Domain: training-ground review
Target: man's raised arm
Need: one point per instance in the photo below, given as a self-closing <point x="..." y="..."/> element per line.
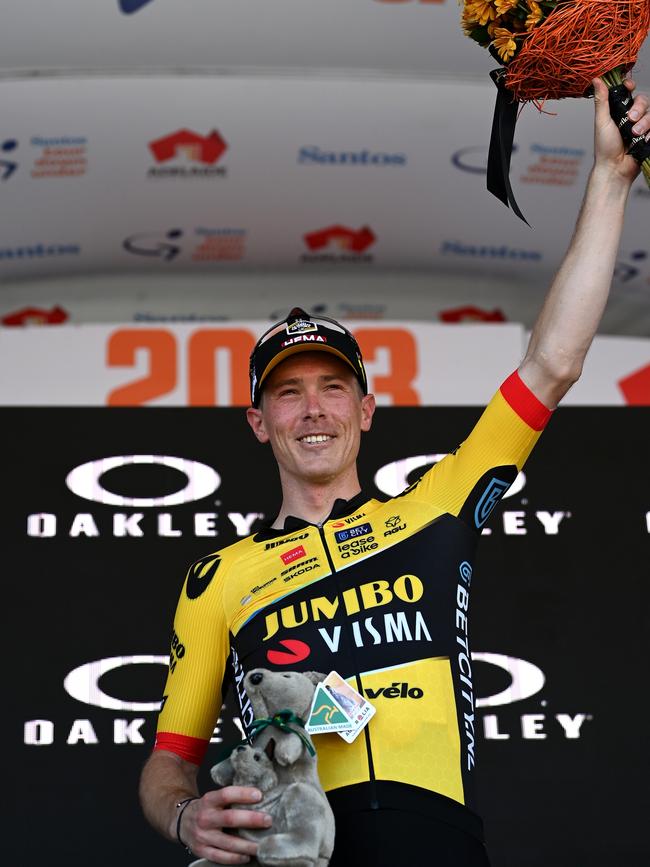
<point x="576" y="300"/>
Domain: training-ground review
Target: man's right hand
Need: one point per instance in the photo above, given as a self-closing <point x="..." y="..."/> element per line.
<point x="206" y="821"/>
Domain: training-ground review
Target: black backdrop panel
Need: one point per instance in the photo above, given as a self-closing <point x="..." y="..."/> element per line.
<point x="560" y="591"/>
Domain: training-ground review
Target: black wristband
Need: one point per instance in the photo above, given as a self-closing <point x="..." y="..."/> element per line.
<point x="180" y="806"/>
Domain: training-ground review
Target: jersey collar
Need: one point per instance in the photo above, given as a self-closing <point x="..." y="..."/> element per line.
<point x="340" y="509"/>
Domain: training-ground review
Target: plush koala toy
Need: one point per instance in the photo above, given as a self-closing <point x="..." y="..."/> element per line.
<point x="280" y="765"/>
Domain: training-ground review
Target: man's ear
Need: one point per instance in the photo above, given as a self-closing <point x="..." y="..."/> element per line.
<point x="256" y="421"/>
<point x="368" y="406"/>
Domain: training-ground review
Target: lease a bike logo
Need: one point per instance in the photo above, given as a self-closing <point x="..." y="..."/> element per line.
<point x="490" y="497"/>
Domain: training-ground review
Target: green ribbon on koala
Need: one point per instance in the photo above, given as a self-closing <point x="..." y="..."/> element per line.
<point x="283" y="720"/>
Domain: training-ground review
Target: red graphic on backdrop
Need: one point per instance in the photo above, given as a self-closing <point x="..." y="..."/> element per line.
<point x="636" y="387"/>
<point x="296" y="651"/>
<point x="36" y="316"/>
<point x="197" y="148"/>
<point x="471" y="314"/>
<point x="351" y="240"/>
<point x="295" y="554"/>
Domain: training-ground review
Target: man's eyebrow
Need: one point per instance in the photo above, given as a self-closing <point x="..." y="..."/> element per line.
<point x="290" y="380"/>
<point x="295" y="380"/>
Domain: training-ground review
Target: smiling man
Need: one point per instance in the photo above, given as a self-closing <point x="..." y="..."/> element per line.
<point x="377" y="591"/>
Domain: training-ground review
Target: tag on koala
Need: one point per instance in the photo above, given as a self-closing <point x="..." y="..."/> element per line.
<point x="348" y="711"/>
<point x="326" y="715"/>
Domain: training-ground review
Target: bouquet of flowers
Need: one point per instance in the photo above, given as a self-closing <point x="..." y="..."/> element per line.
<point x="552" y="49"/>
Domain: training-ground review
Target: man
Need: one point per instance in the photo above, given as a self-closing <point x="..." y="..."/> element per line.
<point x="388" y="584"/>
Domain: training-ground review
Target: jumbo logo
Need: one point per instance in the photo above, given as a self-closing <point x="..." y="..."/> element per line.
<point x="374" y="594"/>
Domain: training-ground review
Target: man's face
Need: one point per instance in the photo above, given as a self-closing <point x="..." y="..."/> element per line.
<point x="312" y="413"/>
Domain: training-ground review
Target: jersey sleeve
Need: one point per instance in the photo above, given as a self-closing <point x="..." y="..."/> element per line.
<point x="198" y="654"/>
<point x="470" y="482"/>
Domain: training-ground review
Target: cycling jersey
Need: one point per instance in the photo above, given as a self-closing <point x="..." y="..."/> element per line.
<point x="379" y="593"/>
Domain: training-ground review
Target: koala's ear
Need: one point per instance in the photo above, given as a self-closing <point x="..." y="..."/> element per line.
<point x="315" y="676"/>
<point x="223" y="773"/>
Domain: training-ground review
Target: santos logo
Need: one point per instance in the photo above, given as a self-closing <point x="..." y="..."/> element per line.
<point x="84" y="685"/>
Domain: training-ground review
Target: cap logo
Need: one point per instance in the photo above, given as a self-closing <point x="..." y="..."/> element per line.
<point x="301" y="326"/>
<point x="304" y="338"/>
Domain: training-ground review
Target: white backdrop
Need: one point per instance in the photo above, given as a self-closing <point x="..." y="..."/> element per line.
<point x="204" y="365"/>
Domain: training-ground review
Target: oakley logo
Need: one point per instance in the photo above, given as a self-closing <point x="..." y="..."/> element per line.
<point x="86" y="481"/>
<point x="395" y="477"/>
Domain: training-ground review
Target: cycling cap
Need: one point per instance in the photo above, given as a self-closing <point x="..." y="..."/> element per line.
<point x="300" y="332"/>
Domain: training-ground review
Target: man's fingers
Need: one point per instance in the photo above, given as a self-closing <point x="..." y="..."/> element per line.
<point x="229" y="843"/>
<point x="221" y="856"/>
<point x="639" y="114"/>
<point x="233" y="795"/>
<point x="601" y="99"/>
<point x="244" y="819"/>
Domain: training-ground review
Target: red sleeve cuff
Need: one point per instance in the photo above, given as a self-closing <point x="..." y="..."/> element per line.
<point x="525" y="404"/>
<point x="191" y="749"/>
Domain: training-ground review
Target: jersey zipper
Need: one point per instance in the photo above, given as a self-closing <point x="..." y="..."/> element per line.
<point x="374" y="803"/>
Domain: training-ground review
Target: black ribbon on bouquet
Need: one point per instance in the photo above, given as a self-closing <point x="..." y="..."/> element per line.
<point x="500" y="153"/>
<point x="620" y="100"/>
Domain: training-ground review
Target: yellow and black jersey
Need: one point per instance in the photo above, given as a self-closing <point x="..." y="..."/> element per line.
<point x="379" y="593"/>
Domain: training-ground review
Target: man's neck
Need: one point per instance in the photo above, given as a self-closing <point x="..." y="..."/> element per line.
<point x="313" y="503"/>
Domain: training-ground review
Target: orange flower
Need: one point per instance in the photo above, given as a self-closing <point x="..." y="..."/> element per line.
<point x="504" y="6"/>
<point x="535" y="14"/>
<point x="479" y="11"/>
<point x="504" y="43"/>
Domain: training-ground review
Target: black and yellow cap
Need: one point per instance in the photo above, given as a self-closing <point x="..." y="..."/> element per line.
<point x="300" y="332"/>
